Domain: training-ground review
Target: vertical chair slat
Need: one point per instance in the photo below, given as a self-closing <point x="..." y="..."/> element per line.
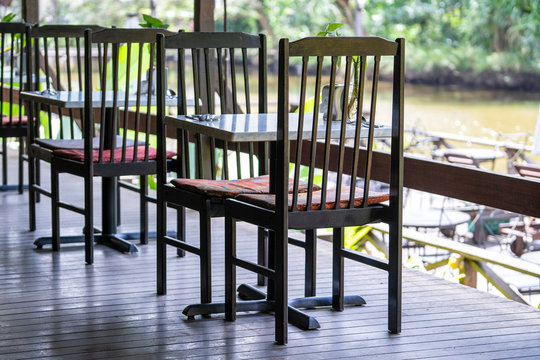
<point x="196" y="78"/>
<point x="246" y="80"/>
<point x="149" y="103"/>
<point x="2" y="64"/>
<point x="11" y="64"/>
<point x="251" y="156"/>
<point x="58" y="82"/>
<point x="358" y="128"/>
<point x="344" y="118"/>
<point x="328" y="131"/>
<point x="208" y="77"/>
<point x="238" y="163"/>
<point x="22" y="84"/>
<point x="369" y="152"/>
<point x="47" y="78"/>
<point x="233" y="81"/>
<point x="69" y="86"/>
<point x="213" y="167"/>
<point x="102" y="107"/>
<point x="138" y="100"/>
<point x="79" y="66"/>
<point x="301" y="112"/>
<point x="126" y="107"/>
<point x="221" y="80"/>
<point x="313" y="150"/>
<point x="225" y="160"/>
<point x="112" y="125"/>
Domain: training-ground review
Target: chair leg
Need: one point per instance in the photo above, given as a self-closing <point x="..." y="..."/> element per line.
<point x="161" y="246"/>
<point x="89" y="219"/>
<point x="143" y="192"/>
<point x="181" y="228"/>
<point x="205" y="224"/>
<point x="394" y="279"/>
<point x="280" y="285"/>
<point x="55" y="209"/>
<point x="31" y="193"/>
<point x="21" y="164"/>
<point x="337" y="270"/>
<point x="262" y="253"/>
<point x="310" y="282"/>
<point x="230" y="269"/>
<point x="118" y="201"/>
<point x="37" y="178"/>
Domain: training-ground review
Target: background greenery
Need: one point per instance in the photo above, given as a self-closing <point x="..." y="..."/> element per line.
<point x="457" y="36"/>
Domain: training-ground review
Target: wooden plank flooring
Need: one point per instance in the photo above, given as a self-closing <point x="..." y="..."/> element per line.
<point x="52" y="305"/>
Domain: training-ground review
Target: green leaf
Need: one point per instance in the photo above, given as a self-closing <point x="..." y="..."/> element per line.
<point x="333" y="26"/>
<point x="322" y="33"/>
<point x="8" y="17"/>
<point x="152" y="22"/>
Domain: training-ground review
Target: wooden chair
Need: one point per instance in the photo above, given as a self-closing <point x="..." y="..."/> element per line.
<point x="15" y="72"/>
<point x="122" y="54"/>
<point x="57" y="56"/>
<point x="317" y="209"/>
<point x="204" y="180"/>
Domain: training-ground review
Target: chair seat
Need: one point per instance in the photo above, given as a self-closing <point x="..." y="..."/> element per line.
<point x="268" y="201"/>
<point x="15" y="120"/>
<point x="78" y="154"/>
<point x="76" y="144"/>
<point x="232" y="188"/>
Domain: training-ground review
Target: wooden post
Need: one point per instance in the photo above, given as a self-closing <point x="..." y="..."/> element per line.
<point x="204" y="15"/>
<point x="470" y="274"/>
<point x="30" y="11"/>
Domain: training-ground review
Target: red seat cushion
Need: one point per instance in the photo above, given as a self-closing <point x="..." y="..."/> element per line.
<point x="268" y="201"/>
<point x="14" y="120"/>
<point x="231" y="188"/>
<point x="78" y="155"/>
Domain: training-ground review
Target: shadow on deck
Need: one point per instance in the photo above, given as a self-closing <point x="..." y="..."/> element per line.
<point x="52" y="305"/>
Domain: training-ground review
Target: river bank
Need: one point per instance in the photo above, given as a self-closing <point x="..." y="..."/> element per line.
<point x="489" y="80"/>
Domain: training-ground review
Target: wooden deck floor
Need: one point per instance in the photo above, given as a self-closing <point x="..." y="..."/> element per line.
<point x="52" y="305"/>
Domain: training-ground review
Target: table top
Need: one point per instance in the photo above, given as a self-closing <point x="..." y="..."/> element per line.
<point x="75" y="99"/>
<point x="261" y="127"/>
<point x="430" y="218"/>
<point x="479" y="154"/>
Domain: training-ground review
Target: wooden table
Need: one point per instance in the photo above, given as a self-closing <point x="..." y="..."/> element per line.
<point x="263" y="127"/>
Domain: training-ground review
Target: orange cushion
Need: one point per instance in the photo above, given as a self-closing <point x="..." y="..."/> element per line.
<point x="78" y="155"/>
<point x="14" y="120"/>
<point x="268" y="201"/>
<point x="231" y="188"/>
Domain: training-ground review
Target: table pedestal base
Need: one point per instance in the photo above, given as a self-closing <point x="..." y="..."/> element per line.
<point x="256" y="301"/>
<point x="116" y="241"/>
<point x="11" y="187"/>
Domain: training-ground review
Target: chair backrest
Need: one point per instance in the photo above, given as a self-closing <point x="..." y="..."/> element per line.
<point x="339" y="151"/>
<point x="461" y="159"/>
<point x="528" y="170"/>
<point x="217" y="73"/>
<point x="118" y="109"/>
<point x="58" y="65"/>
<point x="14" y="70"/>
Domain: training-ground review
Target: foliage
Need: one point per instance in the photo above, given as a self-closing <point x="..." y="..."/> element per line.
<point x="152" y="22"/>
<point x="470" y="35"/>
<point x="477" y="35"/>
<point x="8" y="17"/>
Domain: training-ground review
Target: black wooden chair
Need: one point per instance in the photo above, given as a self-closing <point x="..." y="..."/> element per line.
<point x="203" y="180"/>
<point x="14" y="74"/>
<point x="57" y="57"/>
<point x="358" y="205"/>
<point x="122" y="54"/>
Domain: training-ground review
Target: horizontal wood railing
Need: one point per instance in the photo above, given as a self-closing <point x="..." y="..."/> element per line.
<point x="502" y="191"/>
